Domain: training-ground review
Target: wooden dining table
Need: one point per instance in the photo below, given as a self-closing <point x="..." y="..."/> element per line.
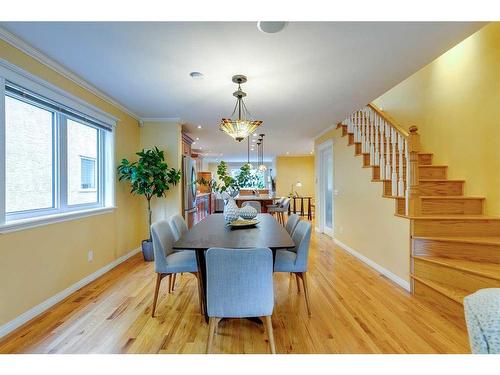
<point x="213" y="232"/>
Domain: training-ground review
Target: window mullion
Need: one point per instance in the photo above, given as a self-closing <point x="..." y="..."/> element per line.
<point x="63" y="162"/>
<point x="3" y="155"/>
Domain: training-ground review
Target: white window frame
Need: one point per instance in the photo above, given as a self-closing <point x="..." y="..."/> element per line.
<point x="105" y="161"/>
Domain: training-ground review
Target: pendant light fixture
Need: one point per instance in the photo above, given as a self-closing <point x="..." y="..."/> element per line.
<point x="243" y="125"/>
<point x="262" y="166"/>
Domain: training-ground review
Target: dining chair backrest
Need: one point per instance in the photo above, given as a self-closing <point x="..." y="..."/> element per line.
<point x="302" y="238"/>
<point x="279" y="202"/>
<point x="285" y="204"/>
<point x="178" y="225"/>
<point x="163" y="239"/>
<point x="291" y="223"/>
<point x="239" y="282"/>
<point x="254" y="204"/>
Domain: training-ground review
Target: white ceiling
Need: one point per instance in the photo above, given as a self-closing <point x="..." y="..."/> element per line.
<point x="301" y="80"/>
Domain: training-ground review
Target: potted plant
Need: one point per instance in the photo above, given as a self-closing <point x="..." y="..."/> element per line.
<point x="149" y="176"/>
<point x="224" y="184"/>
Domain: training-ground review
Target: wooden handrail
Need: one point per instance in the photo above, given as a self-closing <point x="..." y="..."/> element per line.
<point x="390" y="120"/>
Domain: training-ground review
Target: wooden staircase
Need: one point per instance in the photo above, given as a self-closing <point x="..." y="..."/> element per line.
<point x="455" y="248"/>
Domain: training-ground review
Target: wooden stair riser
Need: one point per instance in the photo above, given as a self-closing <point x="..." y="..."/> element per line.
<point x="350" y="141"/>
<point x="455" y="227"/>
<point x="444" y="305"/>
<point x="448" y="187"/>
<point x="441" y="303"/>
<point x="344" y="130"/>
<point x="453" y="277"/>
<point x="357" y="149"/>
<point x="451" y="206"/>
<point x="426" y="172"/>
<point x="486" y="253"/>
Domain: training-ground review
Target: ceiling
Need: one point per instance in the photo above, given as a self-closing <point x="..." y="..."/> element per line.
<point x="300" y="81"/>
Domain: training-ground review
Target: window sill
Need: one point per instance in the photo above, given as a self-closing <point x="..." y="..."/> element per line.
<point x="16" y="225"/>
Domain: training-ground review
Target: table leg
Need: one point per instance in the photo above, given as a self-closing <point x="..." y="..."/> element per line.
<point x="202" y="269"/>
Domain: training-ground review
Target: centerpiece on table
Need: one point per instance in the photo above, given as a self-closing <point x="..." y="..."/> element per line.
<point x="229" y="187"/>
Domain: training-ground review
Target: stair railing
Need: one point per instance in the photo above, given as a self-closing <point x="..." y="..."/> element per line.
<point x="392" y="149"/>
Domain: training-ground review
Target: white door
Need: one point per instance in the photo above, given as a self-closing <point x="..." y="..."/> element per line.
<point x="325" y="188"/>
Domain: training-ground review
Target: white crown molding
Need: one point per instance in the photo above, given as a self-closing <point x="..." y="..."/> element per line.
<point x="20" y="44"/>
<point x="384" y="271"/>
<point x="48" y="303"/>
<point x="161" y="119"/>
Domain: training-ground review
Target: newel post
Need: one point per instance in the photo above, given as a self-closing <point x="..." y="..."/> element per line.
<point x="412" y="180"/>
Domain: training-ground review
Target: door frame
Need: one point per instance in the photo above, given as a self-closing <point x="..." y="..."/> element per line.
<point x="320" y="189"/>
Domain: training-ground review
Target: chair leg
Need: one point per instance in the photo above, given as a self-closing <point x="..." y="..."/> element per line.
<point x="173" y="281"/>
<point x="303" y="276"/>
<point x="298" y="282"/>
<point x="212" y="324"/>
<point x="200" y="294"/>
<point x="270" y="334"/>
<point x="159" y="277"/>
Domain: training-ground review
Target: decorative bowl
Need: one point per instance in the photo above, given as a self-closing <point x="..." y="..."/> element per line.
<point x="248" y="212"/>
<point x="242" y="223"/>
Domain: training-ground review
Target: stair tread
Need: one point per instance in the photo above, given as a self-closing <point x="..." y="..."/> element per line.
<point x="437" y="197"/>
<point x="455" y="294"/>
<point x="451" y="217"/>
<point x="490" y="270"/>
<point x="469" y="240"/>
<point x="449" y="197"/>
<point x="438" y="180"/>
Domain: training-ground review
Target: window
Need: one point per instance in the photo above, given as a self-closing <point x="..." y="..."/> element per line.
<point x="87" y="179"/>
<point x="58" y="159"/>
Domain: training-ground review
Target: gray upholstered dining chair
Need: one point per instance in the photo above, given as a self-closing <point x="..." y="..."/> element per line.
<point x="482" y="315"/>
<point x="291" y="223"/>
<point x="239" y="285"/>
<point x="295" y="260"/>
<point x="254" y="204"/>
<point x="279" y="211"/>
<point x="168" y="262"/>
<point x="276" y="204"/>
<point x="179" y="227"/>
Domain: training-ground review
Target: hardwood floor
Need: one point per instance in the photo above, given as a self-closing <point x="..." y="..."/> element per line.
<point x="354" y="310"/>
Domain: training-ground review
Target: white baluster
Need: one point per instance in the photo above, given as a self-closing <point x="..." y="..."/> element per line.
<point x="377" y="129"/>
<point x="408" y="182"/>
<point x="388" y="170"/>
<point x="372" y="136"/>
<point x="401" y="184"/>
<point x="363" y="134"/>
<point x="394" y="177"/>
<point x="382" y="150"/>
<point x="359" y="132"/>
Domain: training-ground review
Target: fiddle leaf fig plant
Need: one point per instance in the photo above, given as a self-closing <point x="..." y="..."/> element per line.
<point x="149" y="176"/>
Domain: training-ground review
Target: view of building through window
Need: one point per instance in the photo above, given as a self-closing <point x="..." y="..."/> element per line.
<point x="82" y="156"/>
<point x="29" y="156"/>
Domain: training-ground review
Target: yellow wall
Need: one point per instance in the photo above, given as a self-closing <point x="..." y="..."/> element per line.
<point x="455" y="102"/>
<point x="37" y="263"/>
<point x="363" y="220"/>
<point x="167" y="137"/>
<point x="289" y="170"/>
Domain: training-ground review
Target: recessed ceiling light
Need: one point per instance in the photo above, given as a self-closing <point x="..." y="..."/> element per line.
<point x="199" y="126"/>
<point x="288" y="152"/>
<point x="253" y="140"/>
<point x="271" y="27"/>
<point x="197" y="138"/>
<point x="255" y="134"/>
<point x="196" y="75"/>
<point x="193" y="143"/>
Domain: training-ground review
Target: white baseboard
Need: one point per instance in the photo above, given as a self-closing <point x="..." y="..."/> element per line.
<point x="398" y="280"/>
<point x="48" y="303"/>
